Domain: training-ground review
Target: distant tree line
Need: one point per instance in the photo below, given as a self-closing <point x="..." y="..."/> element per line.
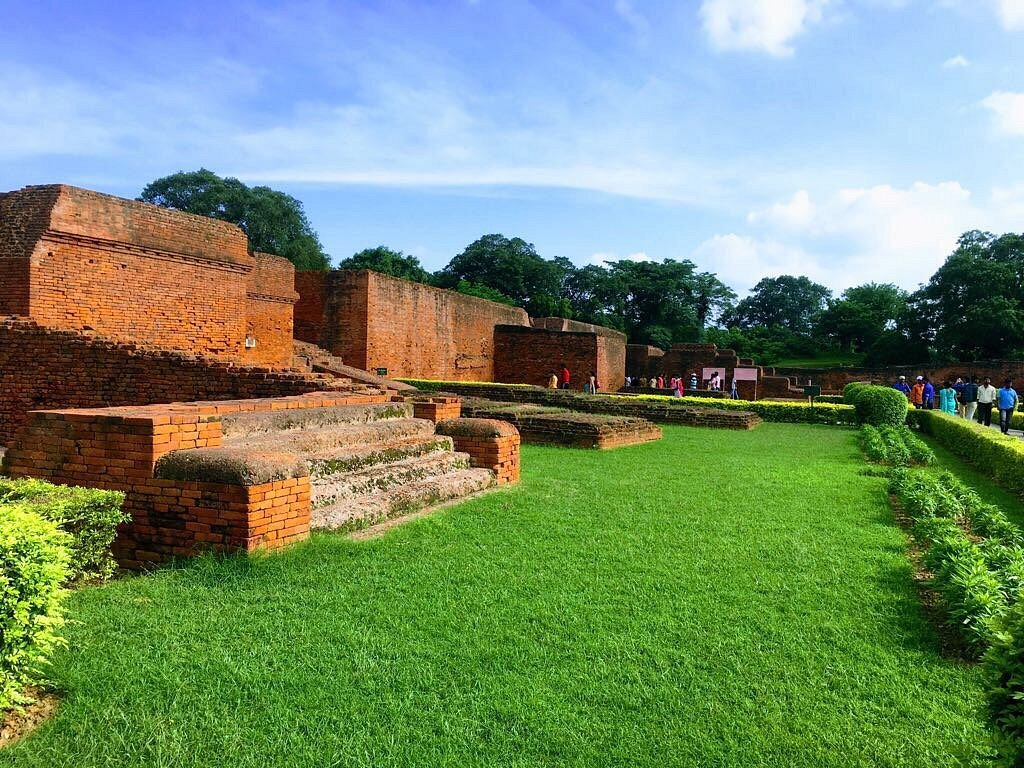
<point x="972" y="308"/>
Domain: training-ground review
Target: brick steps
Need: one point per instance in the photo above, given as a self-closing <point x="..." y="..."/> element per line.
<point x="331" y="489"/>
<point x="254" y="424"/>
<point x="312" y="442"/>
<point x="375" y="507"/>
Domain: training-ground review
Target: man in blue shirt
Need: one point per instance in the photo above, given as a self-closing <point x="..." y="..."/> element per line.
<point x="969" y="398"/>
<point x="929" y="394"/>
<point x="1007" y="400"/>
<point x="902" y="386"/>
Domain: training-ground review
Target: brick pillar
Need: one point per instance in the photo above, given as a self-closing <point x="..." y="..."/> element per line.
<point x="491" y="444"/>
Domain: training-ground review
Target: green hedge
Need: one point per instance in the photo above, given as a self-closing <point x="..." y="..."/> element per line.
<point x="850" y="391"/>
<point x="896" y="446"/>
<point x="34" y="558"/>
<point x="88" y="515"/>
<point x="1003" y="670"/>
<point x="994" y="454"/>
<point x="880" y="405"/>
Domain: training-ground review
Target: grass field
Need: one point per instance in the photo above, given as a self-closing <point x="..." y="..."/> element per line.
<point x="714" y="599"/>
<point x="829" y="360"/>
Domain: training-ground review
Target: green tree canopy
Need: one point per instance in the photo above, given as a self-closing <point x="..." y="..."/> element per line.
<point x="388" y="262"/>
<point x="512" y="267"/>
<point x="857" y="319"/>
<point x="788" y="302"/>
<point x="274" y="221"/>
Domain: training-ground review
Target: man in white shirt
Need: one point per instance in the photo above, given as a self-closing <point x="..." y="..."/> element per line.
<point x="986" y="399"/>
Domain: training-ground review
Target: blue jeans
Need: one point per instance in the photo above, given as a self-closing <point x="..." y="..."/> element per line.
<point x="1005" y="415"/>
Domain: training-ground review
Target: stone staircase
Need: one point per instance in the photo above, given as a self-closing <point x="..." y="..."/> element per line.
<point x="317" y="360"/>
<point x="367" y="463"/>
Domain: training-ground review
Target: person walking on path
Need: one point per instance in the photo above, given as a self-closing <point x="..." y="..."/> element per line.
<point x="1007" y="401"/>
<point x="986" y="399"/>
<point x="958" y="386"/>
<point x="592" y="383"/>
<point x="693" y="381"/>
<point x="902" y="386"/>
<point x="565" y="377"/>
<point x="928" y="396"/>
<point x="734" y="392"/>
<point x="947" y="399"/>
<point x="969" y="398"/>
<point x="917" y="393"/>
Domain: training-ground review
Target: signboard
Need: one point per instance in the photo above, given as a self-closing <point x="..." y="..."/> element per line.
<point x="812" y="390"/>
<point x="382" y="371"/>
<point x="745" y="374"/>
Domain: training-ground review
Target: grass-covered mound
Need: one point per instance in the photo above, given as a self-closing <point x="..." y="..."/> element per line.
<point x="715" y="598"/>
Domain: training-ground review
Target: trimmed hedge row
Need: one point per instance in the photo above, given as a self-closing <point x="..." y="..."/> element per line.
<point x="896" y="446"/>
<point x="50" y="537"/>
<point x="876" y="405"/>
<point x="994" y="454"/>
<point x="34" y="559"/>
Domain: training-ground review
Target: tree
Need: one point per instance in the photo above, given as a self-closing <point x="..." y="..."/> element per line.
<point x="273" y="221"/>
<point x="511" y="266"/>
<point x="859" y="317"/>
<point x="974" y="303"/>
<point x="791" y="303"/>
<point x="387" y="262"/>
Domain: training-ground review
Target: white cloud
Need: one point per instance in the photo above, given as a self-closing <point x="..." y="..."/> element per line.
<point x="1008" y="109"/>
<point x="853" y="235"/>
<point x="794" y="213"/>
<point x="956" y="62"/>
<point x="1010" y="13"/>
<point x="766" y="26"/>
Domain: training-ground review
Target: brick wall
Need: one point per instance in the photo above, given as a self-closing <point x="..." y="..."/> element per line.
<point x="375" y="321"/>
<point x="44" y="368"/>
<point x="834" y="379"/>
<point x="491" y="444"/>
<point x="531" y="355"/>
<point x="436" y="409"/>
<point x="310" y="309"/>
<point x="683" y="359"/>
<point x="270" y="301"/>
<point x="643" y="360"/>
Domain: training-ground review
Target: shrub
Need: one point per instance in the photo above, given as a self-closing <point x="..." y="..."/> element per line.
<point x="829" y="399"/>
<point x="996" y="455"/>
<point x="34" y="560"/>
<point x="873" y="444"/>
<point x="792" y="412"/>
<point x="881" y="405"/>
<point x="1004" y="682"/>
<point x="90" y="516"/>
<point x="851" y="390"/>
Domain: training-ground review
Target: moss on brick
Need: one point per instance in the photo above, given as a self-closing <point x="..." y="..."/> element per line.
<point x="230" y="466"/>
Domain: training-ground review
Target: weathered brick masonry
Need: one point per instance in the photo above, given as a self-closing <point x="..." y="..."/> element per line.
<point x="834" y="379"/>
<point x="119" y="449"/>
<point x="684" y="359"/>
<point x="491" y="444"/>
<point x="76" y="259"/>
<point x="46" y="368"/>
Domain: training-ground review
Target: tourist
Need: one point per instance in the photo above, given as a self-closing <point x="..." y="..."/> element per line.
<point x="1007" y="401"/>
<point x="928" y="396"/>
<point x="986" y="399"/>
<point x="902" y="386"/>
<point x="679" y="387"/>
<point x="947" y="398"/>
<point x="969" y="398"/>
<point x="917" y="393"/>
<point x="714" y="383"/>
<point x="553" y="381"/>
<point x="693" y="381"/>
<point x="592" y="383"/>
<point x="629" y="382"/>
<point x="734" y="392"/>
<point x="958" y="386"/>
<point x="565" y="377"/>
<point x="661" y="382"/>
<point x="653" y="383"/>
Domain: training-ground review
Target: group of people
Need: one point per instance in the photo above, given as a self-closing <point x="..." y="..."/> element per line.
<point x="563" y="380"/>
<point x="679" y="384"/>
<point x="964" y="398"/>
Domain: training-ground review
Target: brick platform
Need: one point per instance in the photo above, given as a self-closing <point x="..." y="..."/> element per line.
<point x="491" y="444"/>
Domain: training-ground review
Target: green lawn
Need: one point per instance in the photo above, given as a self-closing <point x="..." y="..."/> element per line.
<point x="714" y="599"/>
<point x="828" y="360"/>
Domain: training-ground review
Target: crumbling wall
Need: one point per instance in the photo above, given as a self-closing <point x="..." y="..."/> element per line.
<point x="46" y="368"/>
<point x="270" y="301"/>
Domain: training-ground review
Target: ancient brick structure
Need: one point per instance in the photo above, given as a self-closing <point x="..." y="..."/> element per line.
<point x="491" y="444"/>
<point x="643" y="360"/>
<point x="435" y="408"/>
<point x="374" y="321"/>
<point x="45" y="368"/>
<point x="530" y="355"/>
<point x="139" y="273"/>
<point x="834" y="379"/>
<point x="684" y="359"/>
<point x="248" y="474"/>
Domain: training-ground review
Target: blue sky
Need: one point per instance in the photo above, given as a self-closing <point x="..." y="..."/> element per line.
<point x="849" y="140"/>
